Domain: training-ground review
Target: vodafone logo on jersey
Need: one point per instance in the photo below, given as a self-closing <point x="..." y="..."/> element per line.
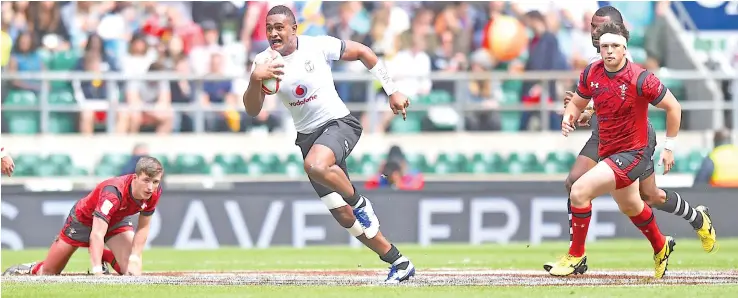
<point x="300" y="91"/>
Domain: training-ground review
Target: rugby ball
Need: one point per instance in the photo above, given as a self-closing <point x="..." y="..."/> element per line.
<point x="271" y="86"/>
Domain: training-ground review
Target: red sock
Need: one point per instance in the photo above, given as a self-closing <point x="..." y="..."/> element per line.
<point x="36" y="267"/>
<point x="647" y="224"/>
<point x="108" y="257"/>
<point x="579" y="226"/>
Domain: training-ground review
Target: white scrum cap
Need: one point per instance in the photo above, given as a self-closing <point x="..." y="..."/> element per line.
<point x="609" y="38"/>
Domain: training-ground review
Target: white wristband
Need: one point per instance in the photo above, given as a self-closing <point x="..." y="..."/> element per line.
<point x="97" y="269"/>
<point x="380" y="72"/>
<point x="670" y="143"/>
<point x="2" y="152"/>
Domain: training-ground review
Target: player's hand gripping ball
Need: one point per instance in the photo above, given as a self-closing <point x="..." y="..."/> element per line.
<point x="269" y="69"/>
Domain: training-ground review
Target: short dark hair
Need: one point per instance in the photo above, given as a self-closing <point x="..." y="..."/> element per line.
<point x="722" y="137"/>
<point x="283" y="10"/>
<point x="610" y="11"/>
<point x="148" y="165"/>
<point x="613" y="28"/>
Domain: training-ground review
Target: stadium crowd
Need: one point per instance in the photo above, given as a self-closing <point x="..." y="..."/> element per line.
<point x="221" y="38"/>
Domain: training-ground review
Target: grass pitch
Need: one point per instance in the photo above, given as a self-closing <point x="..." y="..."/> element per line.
<point x="619" y="268"/>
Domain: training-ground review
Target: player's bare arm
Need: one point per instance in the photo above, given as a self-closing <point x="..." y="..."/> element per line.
<point x="673" y="121"/>
<point x="355" y="51"/>
<point x="253" y="98"/>
<point x="135" y="260"/>
<point x="573" y="111"/>
<point x="97" y="244"/>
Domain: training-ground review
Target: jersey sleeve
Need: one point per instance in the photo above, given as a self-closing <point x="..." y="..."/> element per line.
<point x="583" y="89"/>
<point x="650" y="88"/>
<point x="331" y="47"/>
<point x="109" y="201"/>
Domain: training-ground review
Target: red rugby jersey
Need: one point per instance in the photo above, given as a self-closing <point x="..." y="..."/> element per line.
<point x="621" y="104"/>
<point x="112" y="201"/>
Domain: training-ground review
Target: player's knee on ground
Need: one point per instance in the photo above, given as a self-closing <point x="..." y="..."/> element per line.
<point x="652" y="196"/>
<point x="580" y="195"/>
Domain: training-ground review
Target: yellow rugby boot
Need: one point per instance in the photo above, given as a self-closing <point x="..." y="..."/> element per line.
<point x="707" y="232"/>
<point x="661" y="259"/>
<point x="568" y="265"/>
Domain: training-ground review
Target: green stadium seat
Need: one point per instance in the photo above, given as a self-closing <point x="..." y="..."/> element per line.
<point x="293" y="166"/>
<point x="523" y="163"/>
<point x="694" y="161"/>
<point x="412" y="124"/>
<point x="510" y="120"/>
<point x="164" y="160"/>
<point x="72" y="171"/>
<point x="444" y="164"/>
<point x="47" y="170"/>
<point x="21" y="122"/>
<point x="497" y="163"/>
<point x="187" y="163"/>
<point x="25" y="164"/>
<point x="60" y="160"/>
<point x="565" y="158"/>
<point x="114" y="159"/>
<point x="62" y="61"/>
<point x="369" y="164"/>
<point x="637" y="38"/>
<point x="107" y="170"/>
<point x="512" y="86"/>
<point x="658" y="119"/>
<point x="478" y="164"/>
<point x="230" y="163"/>
<point x="352" y="165"/>
<point x="639" y="54"/>
<point x="417" y="161"/>
<point x="440" y="97"/>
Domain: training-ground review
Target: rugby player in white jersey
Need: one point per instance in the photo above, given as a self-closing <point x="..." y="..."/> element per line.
<point x="661" y="199"/>
<point x="326" y="131"/>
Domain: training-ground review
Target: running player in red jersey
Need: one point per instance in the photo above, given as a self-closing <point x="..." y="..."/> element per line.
<point x="621" y="91"/>
<point x="104" y="217"/>
<point x="662" y="199"/>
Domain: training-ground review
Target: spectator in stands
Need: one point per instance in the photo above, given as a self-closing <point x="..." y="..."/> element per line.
<point x="581" y="42"/>
<point x="656" y="36"/>
<point x="96" y="46"/>
<point x="139" y="150"/>
<point x="150" y="93"/>
<point x="19" y="21"/>
<point x="173" y="52"/>
<point x="396" y="173"/>
<point x="421" y="26"/>
<point x="485" y="92"/>
<point x="221" y="92"/>
<point x="720" y="167"/>
<point x="92" y="95"/>
<point x="341" y="27"/>
<point x="81" y="18"/>
<point x="45" y="19"/>
<point x="25" y="58"/>
<point x="182" y="93"/>
<point x="543" y="54"/>
<point x="6" y="41"/>
<point x="200" y="55"/>
<point x="138" y="59"/>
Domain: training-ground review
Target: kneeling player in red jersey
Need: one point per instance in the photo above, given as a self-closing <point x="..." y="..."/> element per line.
<point x="621" y="92"/>
<point x="104" y="217"/>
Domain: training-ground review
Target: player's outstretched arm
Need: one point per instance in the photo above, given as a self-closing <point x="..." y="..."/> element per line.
<point x="97" y="243"/>
<point x="135" y="262"/>
<point x="353" y="51"/>
<point x="673" y="110"/>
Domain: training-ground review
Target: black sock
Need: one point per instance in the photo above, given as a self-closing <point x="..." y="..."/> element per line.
<point x="394" y="257"/>
<point x="355" y="201"/>
<point x="675" y="205"/>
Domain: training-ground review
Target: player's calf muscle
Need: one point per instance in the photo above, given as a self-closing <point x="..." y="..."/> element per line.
<point x="344" y="216"/>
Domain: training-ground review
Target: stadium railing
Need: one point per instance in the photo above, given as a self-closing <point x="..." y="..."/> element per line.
<point x="717" y="104"/>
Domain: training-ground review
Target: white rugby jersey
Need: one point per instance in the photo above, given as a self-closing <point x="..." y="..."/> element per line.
<point x="307" y="89"/>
